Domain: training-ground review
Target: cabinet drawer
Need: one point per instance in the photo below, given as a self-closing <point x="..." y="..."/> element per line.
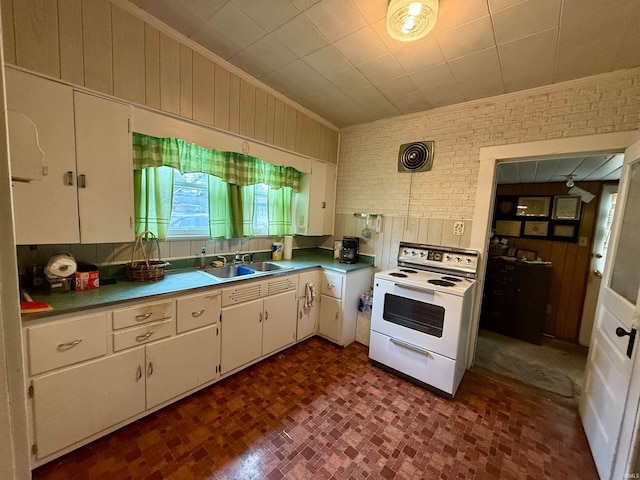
<point x="198" y="311"/>
<point x="150" y="312"/>
<point x="143" y="334"/>
<point x="332" y="284"/>
<point x="63" y="343"/>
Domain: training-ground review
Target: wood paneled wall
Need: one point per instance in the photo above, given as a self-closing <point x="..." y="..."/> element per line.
<point x="98" y="45"/>
<point x="570" y="261"/>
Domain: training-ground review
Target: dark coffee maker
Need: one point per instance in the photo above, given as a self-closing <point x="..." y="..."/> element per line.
<point x="350" y="247"/>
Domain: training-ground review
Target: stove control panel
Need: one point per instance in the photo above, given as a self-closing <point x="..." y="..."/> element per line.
<point x="445" y="258"/>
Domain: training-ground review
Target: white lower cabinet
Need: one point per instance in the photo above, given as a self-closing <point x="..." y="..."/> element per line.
<point x="179" y="364"/>
<point x="308" y="304"/>
<point x="279" y="326"/>
<point x="241" y="335"/>
<point x="340" y="294"/>
<point x="74" y="404"/>
<point x="256" y="328"/>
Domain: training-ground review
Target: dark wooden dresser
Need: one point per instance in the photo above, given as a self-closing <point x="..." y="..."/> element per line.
<point x="515" y="298"/>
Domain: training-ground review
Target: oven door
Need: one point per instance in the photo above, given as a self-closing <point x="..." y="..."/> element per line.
<point x="417" y="316"/>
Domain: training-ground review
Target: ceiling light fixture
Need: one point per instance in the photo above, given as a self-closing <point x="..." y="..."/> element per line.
<point x="409" y="20"/>
<point x="570" y="183"/>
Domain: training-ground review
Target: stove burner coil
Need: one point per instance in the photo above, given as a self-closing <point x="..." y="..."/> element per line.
<point x="399" y="275"/>
<point x="406" y="270"/>
<point x="442" y="283"/>
<point x="452" y="279"/>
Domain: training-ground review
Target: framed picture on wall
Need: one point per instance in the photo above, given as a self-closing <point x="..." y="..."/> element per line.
<point x="566" y="231"/>
<point x="533" y="206"/>
<point x="536" y="229"/>
<point x="566" y="207"/>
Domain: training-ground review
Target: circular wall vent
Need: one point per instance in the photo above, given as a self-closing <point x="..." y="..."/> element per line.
<point x="415" y="157"/>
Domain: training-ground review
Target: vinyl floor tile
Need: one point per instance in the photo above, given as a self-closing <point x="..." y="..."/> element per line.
<point x="318" y="411"/>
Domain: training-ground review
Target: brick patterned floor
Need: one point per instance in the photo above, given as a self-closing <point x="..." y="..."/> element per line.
<point x="318" y="411"/>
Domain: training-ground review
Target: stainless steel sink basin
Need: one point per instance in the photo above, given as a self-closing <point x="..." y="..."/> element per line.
<point x="266" y="266"/>
<point x="244" y="269"/>
<point x="229" y="271"/>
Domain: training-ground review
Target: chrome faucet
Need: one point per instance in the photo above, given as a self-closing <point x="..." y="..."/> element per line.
<point x="224" y="259"/>
<point x="238" y="258"/>
<point x="242" y="257"/>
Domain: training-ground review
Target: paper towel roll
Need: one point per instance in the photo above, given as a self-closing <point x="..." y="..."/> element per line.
<point x="288" y="247"/>
<point x="61" y="265"/>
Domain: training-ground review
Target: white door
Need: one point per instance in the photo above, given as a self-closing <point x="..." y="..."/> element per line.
<point x="604" y="222"/>
<point x="606" y="407"/>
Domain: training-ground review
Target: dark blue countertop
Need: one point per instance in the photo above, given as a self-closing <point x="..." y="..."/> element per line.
<point x="187" y="280"/>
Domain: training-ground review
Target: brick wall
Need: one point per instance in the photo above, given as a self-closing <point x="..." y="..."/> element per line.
<point x="367" y="173"/>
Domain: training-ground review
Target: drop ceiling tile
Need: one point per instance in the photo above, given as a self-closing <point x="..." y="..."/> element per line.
<point x="361" y="46"/>
<point x="349" y="80"/>
<point x="300" y="36"/>
<point x="467" y="39"/>
<point x="438" y="85"/>
<point x="372" y="10"/>
<point x="185" y="18"/>
<point x="233" y="24"/>
<point x="397" y="87"/>
<point x="381" y="69"/>
<point x="452" y="14"/>
<point x="529" y="62"/>
<point x="479" y="75"/>
<point x="218" y="44"/>
<point x="269" y="14"/>
<point x="591" y="15"/>
<point x="263" y="56"/>
<point x="419" y="55"/>
<point x="380" y="27"/>
<point x="302" y="5"/>
<point x="525" y="19"/>
<point x="327" y="60"/>
<point x="628" y="54"/>
<point x="372" y="99"/>
<point x="497" y="5"/>
<point x="335" y="18"/>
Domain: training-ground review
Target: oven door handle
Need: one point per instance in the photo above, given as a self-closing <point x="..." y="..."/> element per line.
<point x="410" y="346"/>
<point x="416" y="289"/>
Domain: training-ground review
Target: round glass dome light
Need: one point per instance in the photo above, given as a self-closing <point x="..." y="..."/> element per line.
<point x="409" y="20"/>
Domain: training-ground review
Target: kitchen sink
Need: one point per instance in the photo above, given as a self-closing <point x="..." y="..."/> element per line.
<point x="266" y="267"/>
<point x="243" y="269"/>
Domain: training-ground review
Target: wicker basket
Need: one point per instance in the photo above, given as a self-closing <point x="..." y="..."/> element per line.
<point x="145" y="270"/>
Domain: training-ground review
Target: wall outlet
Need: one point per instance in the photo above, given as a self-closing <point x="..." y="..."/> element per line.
<point x="458" y="228"/>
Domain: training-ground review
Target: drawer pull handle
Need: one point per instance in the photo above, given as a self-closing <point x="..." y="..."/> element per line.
<point x="330" y="285"/>
<point x="198" y="313"/>
<point x="138" y="373"/>
<point x="337" y="316"/>
<point x="300" y="314"/>
<point x="66" y="346"/>
<point x="143" y="316"/>
<point x="410" y="346"/>
<point x="150" y="369"/>
<point x="142" y="338"/>
<point x="213" y="296"/>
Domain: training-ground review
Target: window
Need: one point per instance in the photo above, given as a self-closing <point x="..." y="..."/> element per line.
<point x="190" y="207"/>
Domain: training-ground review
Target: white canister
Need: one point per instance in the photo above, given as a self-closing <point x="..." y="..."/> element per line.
<point x="287" y="252"/>
<point x="276" y="251"/>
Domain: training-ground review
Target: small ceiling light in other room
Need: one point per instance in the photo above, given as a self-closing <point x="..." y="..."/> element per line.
<point x="570" y="183"/>
<point x="408" y="20"/>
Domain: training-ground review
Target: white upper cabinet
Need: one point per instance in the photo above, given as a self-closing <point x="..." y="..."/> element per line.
<point x="45" y="210"/>
<point x="314" y="203"/>
<point x="85" y="194"/>
<point x="105" y="169"/>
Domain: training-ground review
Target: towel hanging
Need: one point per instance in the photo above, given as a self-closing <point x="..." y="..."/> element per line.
<point x="309" y="295"/>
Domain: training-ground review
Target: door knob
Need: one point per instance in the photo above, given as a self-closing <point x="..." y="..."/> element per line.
<point x="597" y="255"/>
<point x="621" y="332"/>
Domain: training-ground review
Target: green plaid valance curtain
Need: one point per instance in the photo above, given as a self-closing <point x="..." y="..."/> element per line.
<point x="230" y="187"/>
<point x="231" y="167"/>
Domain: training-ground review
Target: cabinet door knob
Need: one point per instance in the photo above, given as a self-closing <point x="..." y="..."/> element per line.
<point x="138" y="373"/>
<point x="300" y="314"/>
<point x="68" y="178"/>
<point x="150" y="369"/>
<point x="82" y="181"/>
<point x="266" y="315"/>
<point x="260" y="320"/>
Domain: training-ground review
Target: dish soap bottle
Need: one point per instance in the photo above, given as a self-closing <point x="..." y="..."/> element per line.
<point x="203" y="258"/>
